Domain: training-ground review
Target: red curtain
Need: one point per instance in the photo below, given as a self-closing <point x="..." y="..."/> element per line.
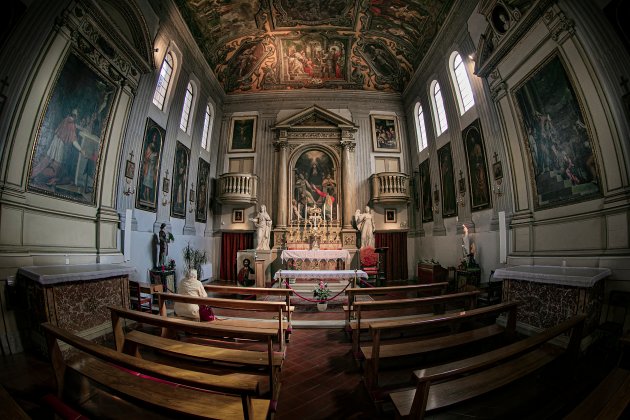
<point x="231" y="243"/>
<point x="396" y="255"/>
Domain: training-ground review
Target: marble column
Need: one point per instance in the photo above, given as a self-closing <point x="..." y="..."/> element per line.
<point x="281" y="146"/>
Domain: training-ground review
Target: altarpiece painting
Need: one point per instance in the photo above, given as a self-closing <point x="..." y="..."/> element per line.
<point x="315" y="185"/>
<point x="477" y="168"/>
<point x="560" y="150"/>
<point x="150" y="158"/>
<point x="67" y="149"/>
<point x="180" y="181"/>
<point x="425" y="190"/>
<point x="449" y="203"/>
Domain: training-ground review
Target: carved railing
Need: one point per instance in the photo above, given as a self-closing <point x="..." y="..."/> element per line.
<point x="238" y="188"/>
<point x="390" y="187"/>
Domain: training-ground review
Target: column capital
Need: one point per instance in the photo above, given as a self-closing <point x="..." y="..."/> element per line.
<point x="348" y="144"/>
<point x="280" y="144"/>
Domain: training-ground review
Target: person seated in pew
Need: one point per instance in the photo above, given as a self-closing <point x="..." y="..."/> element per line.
<point x="191" y="286"/>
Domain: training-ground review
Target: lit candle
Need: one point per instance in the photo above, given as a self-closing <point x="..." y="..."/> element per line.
<point x="324" y="212"/>
<point x="306" y="211"/>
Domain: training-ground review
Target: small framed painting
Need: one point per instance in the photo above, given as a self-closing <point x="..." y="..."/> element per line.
<point x="390" y="215"/>
<point x="385" y="134"/>
<point x="166" y="185"/>
<point x="130" y="168"/>
<point x="243" y="134"/>
<point x="237" y="216"/>
<point x="497" y="170"/>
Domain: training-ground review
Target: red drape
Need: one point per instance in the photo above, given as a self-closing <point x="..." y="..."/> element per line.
<point x="231" y="243"/>
<point x="396" y="255"/>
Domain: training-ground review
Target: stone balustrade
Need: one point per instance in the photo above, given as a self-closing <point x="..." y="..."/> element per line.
<point x="238" y="188"/>
<point x="390" y="187"/>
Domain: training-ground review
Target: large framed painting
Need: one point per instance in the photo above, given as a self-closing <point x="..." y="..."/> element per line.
<point x="243" y="134"/>
<point x="67" y="149"/>
<point x="477" y="167"/>
<point x="560" y="150"/>
<point x="425" y="190"/>
<point x="315" y="185"/>
<point x="385" y="134"/>
<point x="150" y="158"/>
<point x="180" y="181"/>
<point x="449" y="202"/>
<point x="203" y="174"/>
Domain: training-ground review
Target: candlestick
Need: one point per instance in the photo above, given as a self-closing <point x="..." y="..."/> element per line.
<point x="324" y="212"/>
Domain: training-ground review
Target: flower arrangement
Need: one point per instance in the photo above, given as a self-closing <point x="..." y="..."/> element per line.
<point x="321" y="292"/>
<point x="171" y="264"/>
<point x="368" y="257"/>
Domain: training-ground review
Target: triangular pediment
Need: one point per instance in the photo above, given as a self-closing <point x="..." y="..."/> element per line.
<point x="315" y="116"/>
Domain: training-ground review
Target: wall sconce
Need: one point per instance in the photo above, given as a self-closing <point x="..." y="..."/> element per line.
<point x="461" y="187"/>
<point x="436" y="200"/>
<point x="191" y="199"/>
<point x="166" y="187"/>
<point x="130" y="170"/>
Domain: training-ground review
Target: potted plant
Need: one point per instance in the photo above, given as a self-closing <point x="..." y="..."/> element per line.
<point x="322" y="293"/>
<point x="193" y="258"/>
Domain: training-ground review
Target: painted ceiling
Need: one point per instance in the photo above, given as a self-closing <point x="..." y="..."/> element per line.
<point x="261" y="45"/>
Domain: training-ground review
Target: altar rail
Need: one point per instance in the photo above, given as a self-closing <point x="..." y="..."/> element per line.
<point x="238" y="188"/>
<point x="390" y="187"/>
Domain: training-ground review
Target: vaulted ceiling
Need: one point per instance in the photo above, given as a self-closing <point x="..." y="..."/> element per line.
<point x="260" y="45"/>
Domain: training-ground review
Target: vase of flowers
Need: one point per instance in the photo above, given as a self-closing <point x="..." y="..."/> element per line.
<point x="321" y="293"/>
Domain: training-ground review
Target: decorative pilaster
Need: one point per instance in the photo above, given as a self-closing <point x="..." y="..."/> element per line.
<point x="281" y="145"/>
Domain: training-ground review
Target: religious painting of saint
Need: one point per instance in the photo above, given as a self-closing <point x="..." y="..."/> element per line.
<point x="385" y="133"/>
<point x="148" y="175"/>
<point x="382" y="60"/>
<point x="449" y="203"/>
<point x="66" y="153"/>
<point x="180" y="181"/>
<point x="425" y="189"/>
<point x="243" y="132"/>
<point x="477" y="168"/>
<point x="315" y="185"/>
<point x="203" y="174"/>
<point x="562" y="164"/>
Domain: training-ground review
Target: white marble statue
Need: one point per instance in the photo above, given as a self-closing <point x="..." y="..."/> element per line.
<point x="365" y="223"/>
<point x="262" y="221"/>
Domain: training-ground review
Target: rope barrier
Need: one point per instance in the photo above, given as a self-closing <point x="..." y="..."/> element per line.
<point x="316" y="300"/>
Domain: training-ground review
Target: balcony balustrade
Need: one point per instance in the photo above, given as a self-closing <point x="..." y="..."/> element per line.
<point x="238" y="188"/>
<point x="390" y="187"/>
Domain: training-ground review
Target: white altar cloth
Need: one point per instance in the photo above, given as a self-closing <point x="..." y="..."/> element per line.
<point x="323" y="274"/>
<point x="565" y="276"/>
<point x="317" y="255"/>
<point x="54" y="274"/>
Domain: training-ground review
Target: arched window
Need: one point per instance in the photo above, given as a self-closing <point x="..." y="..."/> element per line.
<point x="420" y="128"/>
<point x="207" y="128"/>
<point x="438" y="106"/>
<point x="188" y="100"/>
<point x="163" y="81"/>
<point x="462" y="83"/>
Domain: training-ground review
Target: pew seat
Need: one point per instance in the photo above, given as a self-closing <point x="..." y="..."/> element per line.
<point x="609" y="400"/>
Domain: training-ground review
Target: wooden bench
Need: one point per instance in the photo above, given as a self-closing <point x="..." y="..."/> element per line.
<point x="257" y="291"/>
<point x="467" y="301"/>
<point x="131" y="342"/>
<point x="609" y="400"/>
<point x="474" y="376"/>
<point x="9" y="409"/>
<point x="381" y="350"/>
<point x="245" y="306"/>
<point x="418" y="289"/>
<point x="162" y="388"/>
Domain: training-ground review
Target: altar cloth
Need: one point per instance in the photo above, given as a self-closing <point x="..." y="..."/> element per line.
<point x="565" y="276"/>
<point x="311" y="254"/>
<point x="323" y="274"/>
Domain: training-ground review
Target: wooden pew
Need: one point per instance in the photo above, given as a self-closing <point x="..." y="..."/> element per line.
<point x="468" y="301"/>
<point x="468" y="378"/>
<point x="419" y="289"/>
<point x="163" y="388"/>
<point x="381" y="350"/>
<point x="9" y="409"/>
<point x="240" y="305"/>
<point x="609" y="400"/>
<point x="131" y="342"/>
<point x="257" y="291"/>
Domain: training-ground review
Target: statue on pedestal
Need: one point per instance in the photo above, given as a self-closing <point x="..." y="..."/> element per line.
<point x="365" y="223"/>
<point x="263" y="223"/>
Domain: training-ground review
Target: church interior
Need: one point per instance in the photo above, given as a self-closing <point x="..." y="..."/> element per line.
<point x="317" y="209"/>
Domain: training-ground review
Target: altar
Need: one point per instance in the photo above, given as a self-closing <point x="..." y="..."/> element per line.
<point x="349" y="275"/>
<point x="310" y="259"/>
<point x="551" y="294"/>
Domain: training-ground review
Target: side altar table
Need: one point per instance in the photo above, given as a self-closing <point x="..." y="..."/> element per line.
<point x="551" y="294"/>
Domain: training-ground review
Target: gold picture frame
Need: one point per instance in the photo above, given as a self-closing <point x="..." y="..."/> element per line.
<point x="385" y="133"/>
<point x="242" y="134"/>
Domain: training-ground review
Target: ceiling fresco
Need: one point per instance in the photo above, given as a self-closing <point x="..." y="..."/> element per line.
<point x="261" y="45"/>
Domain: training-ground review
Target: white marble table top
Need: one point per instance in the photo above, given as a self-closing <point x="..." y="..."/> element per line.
<point x="309" y="254"/>
<point x="319" y="274"/>
<point x="567" y="276"/>
<point x="53" y="274"/>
